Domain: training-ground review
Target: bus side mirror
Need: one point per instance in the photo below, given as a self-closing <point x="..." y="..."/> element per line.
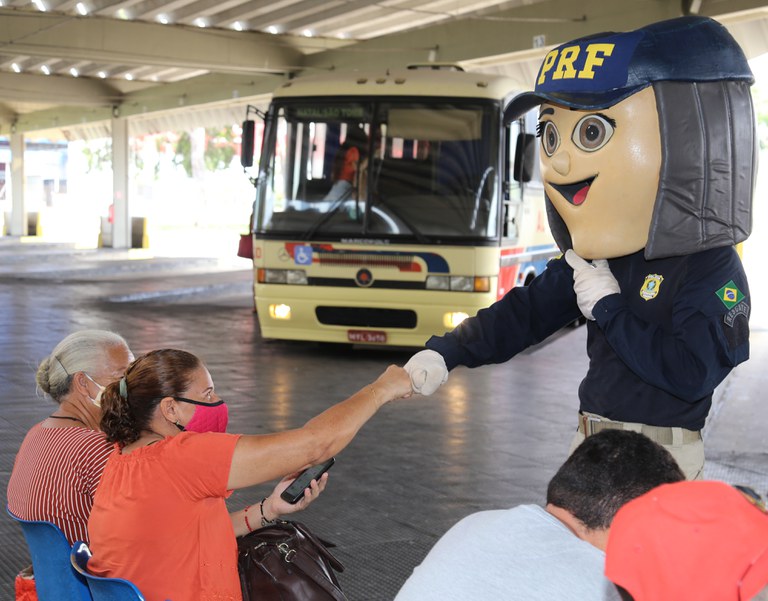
<point x="525" y="156"/>
<point x="246" y="150"/>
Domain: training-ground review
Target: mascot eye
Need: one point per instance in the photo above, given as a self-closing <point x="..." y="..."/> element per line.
<point x="593" y="132"/>
<point x="550" y="138"/>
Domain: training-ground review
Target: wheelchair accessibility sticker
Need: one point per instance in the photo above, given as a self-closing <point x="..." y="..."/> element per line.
<point x="302" y="255"/>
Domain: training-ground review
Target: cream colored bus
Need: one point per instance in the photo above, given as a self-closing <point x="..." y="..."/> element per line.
<point x="390" y="206"/>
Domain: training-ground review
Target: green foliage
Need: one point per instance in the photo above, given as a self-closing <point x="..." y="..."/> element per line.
<point x="220" y="149"/>
<point x="99" y="155"/>
<point x="183" y="153"/>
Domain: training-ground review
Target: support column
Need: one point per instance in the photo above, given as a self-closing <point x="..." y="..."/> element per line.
<point x="121" y="228"/>
<point x="18" y="224"/>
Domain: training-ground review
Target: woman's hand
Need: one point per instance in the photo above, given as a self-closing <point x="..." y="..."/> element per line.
<point x="274" y="506"/>
<point x="394" y="383"/>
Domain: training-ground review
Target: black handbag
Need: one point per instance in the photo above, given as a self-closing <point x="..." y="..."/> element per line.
<point x="284" y="561"/>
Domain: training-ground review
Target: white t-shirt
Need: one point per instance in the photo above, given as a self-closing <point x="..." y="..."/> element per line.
<point x="522" y="554"/>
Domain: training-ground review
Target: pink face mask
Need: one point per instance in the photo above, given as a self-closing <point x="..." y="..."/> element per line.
<point x="208" y="417"/>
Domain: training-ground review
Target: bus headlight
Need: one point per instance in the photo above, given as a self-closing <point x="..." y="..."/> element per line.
<point x="451" y="320"/>
<point x="280" y="311"/>
<point x="296" y="276"/>
<point x="459" y="283"/>
<point x="282" y="276"/>
<point x="438" y="282"/>
<point x="462" y="283"/>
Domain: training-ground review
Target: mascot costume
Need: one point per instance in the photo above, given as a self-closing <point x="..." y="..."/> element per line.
<point x="648" y="156"/>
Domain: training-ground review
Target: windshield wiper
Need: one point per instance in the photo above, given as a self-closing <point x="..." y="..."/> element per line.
<point x="323" y="219"/>
<point x="420" y="237"/>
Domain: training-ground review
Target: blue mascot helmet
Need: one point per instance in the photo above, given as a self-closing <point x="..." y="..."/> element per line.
<point x="701" y="80"/>
<point x="598" y="71"/>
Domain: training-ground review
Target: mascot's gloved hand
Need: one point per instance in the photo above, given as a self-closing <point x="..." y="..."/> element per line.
<point x="591" y="281"/>
<point x="427" y="370"/>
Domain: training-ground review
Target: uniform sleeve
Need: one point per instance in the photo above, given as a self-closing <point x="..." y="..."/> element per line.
<point x="202" y="462"/>
<point x="525" y="316"/>
<point x="708" y="337"/>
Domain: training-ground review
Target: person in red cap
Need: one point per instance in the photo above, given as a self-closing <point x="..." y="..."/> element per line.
<point x="699" y="540"/>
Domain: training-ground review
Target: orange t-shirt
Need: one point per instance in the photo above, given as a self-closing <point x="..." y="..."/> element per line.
<point x="349" y="167"/>
<point x="159" y="519"/>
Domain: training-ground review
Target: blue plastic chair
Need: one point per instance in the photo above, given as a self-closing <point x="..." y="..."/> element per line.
<point x="55" y="580"/>
<point x="102" y="589"/>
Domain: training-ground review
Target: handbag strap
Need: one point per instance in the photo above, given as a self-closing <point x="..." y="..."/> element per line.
<point x="335" y="563"/>
<point x="320" y="578"/>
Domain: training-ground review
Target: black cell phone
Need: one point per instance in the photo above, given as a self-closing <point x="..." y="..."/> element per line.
<point x="295" y="491"/>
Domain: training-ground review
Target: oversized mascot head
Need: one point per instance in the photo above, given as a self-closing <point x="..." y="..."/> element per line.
<point x="647" y="140"/>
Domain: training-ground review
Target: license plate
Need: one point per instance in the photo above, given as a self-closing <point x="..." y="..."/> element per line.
<point x="372" y="336"/>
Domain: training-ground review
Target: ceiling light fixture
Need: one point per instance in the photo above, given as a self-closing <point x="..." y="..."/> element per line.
<point x="122" y="14"/>
<point x="307" y="33"/>
<point x="81" y="8"/>
<point x="45" y="70"/>
<point x="16" y="68"/>
<point x="102" y="74"/>
<point x="74" y="72"/>
<point x="237" y="26"/>
<point x="163" y="19"/>
<point x="273" y="29"/>
<point x="129" y="76"/>
<point x="200" y="22"/>
<point x="39" y="5"/>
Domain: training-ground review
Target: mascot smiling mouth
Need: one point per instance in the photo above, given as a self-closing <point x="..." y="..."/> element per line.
<point x="576" y="193"/>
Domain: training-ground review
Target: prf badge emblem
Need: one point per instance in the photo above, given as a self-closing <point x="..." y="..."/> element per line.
<point x="651" y="286"/>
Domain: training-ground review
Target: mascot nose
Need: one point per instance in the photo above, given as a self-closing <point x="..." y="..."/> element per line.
<point x="561" y="163"/>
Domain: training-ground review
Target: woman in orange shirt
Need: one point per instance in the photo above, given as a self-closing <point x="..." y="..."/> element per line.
<point x="349" y="164"/>
<point x="159" y="517"/>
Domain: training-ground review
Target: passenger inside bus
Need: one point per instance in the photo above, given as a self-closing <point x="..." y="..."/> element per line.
<point x="347" y="164"/>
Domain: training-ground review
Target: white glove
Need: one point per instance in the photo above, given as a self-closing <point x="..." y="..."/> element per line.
<point x="591" y="281"/>
<point x="427" y="370"/>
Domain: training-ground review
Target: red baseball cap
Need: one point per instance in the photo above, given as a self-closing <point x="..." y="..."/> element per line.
<point x="689" y="540"/>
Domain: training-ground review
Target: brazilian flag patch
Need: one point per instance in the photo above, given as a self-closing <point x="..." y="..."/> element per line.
<point x="730" y="295"/>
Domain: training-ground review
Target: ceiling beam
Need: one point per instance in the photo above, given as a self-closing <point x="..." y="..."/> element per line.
<point x="136" y="43"/>
<point x="75" y="91"/>
<point x="209" y="88"/>
<point x="508" y="32"/>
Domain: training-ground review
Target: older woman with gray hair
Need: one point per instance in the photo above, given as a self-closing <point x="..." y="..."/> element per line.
<point x="61" y="458"/>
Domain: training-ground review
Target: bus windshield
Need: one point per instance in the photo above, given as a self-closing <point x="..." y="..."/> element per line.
<point x="423" y="171"/>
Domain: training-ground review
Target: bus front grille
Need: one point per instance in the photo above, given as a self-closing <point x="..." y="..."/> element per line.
<point x="366" y="318"/>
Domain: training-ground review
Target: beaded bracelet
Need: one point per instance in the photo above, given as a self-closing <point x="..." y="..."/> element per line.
<point x="245" y="514"/>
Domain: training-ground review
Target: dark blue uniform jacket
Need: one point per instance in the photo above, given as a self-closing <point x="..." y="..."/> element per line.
<point x="654" y="358"/>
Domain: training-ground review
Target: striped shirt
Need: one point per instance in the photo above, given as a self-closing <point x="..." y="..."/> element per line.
<point x="55" y="476"/>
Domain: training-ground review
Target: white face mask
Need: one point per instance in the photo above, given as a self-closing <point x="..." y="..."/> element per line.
<point x="97" y="400"/>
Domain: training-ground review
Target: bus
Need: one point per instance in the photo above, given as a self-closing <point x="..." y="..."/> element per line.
<point x="392" y="205"/>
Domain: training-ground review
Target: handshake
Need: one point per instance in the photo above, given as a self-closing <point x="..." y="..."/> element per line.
<point x="427" y="371"/>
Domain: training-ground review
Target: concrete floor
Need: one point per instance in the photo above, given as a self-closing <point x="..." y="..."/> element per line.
<point x="490" y="438"/>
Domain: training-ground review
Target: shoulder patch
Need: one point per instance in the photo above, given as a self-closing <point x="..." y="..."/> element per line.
<point x="730" y="295"/>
